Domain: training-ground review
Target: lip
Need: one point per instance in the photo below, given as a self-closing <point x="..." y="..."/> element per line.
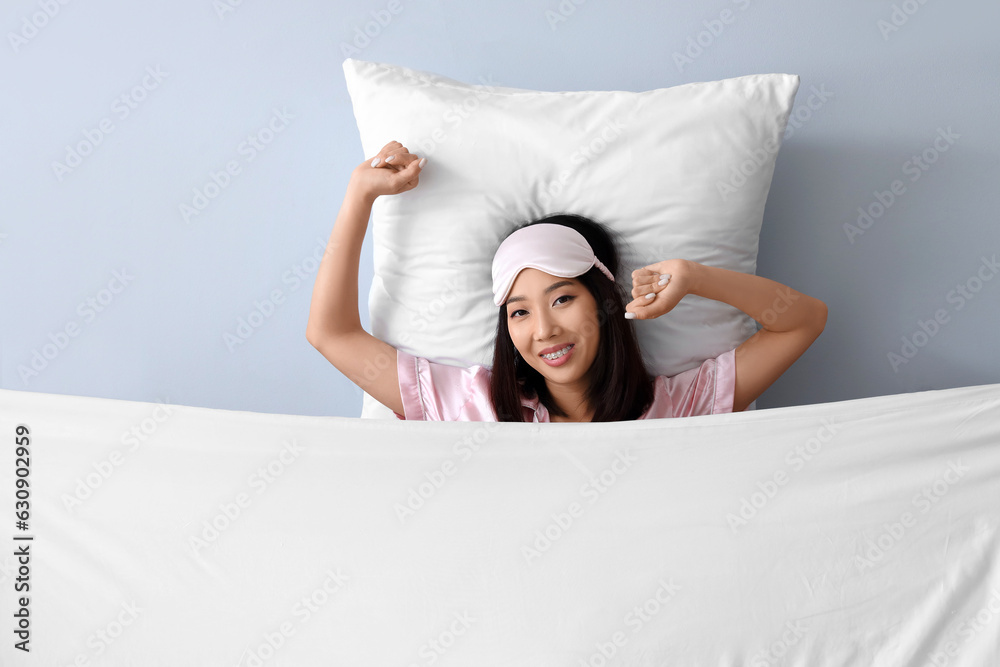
<point x="554" y="348"/>
<point x="561" y="360"/>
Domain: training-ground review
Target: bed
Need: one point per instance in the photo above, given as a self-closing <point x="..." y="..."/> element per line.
<point x="859" y="532"/>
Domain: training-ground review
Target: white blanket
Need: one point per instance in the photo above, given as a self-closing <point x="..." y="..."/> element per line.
<point x="861" y="532"/>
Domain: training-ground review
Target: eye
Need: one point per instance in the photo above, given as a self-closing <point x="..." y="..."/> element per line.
<point x="564" y="296"/>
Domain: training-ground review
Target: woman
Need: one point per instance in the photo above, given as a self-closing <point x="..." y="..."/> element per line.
<point x="553" y="282"/>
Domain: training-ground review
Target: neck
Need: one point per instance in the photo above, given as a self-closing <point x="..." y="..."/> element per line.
<point x="572" y="401"/>
<point x="571" y="418"/>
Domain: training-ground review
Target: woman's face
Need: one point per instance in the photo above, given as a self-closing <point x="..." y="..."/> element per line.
<point x="556" y="318"/>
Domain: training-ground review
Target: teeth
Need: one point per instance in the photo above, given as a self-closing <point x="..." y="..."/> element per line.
<point x="556" y="355"/>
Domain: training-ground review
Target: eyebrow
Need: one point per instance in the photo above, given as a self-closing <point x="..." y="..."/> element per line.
<point x="553" y="286"/>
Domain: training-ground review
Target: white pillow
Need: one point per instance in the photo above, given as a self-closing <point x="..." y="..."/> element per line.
<point x="679" y="172"/>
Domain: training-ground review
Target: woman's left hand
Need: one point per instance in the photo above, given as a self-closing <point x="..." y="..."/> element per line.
<point x="647" y="281"/>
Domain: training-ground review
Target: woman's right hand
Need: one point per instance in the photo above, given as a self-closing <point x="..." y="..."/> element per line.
<point x="395" y="170"/>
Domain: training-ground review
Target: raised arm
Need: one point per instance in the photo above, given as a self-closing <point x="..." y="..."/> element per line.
<point x="334" y="306"/>
<point x="334" y="326"/>
<point x="791" y="322"/>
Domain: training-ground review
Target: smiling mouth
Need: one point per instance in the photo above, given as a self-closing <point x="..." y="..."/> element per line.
<point x="558" y="353"/>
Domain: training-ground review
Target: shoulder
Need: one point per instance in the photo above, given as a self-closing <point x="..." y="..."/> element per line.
<point x="707" y="388"/>
<point x="436" y="391"/>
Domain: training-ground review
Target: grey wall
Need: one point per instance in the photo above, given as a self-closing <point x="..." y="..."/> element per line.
<point x="893" y="77"/>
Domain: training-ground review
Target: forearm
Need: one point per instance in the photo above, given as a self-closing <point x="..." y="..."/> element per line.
<point x="334" y="306"/>
<point x="777" y="307"/>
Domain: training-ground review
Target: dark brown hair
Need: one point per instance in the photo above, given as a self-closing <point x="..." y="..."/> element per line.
<point x="620" y="387"/>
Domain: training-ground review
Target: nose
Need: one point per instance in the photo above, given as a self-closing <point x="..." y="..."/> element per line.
<point x="545" y="326"/>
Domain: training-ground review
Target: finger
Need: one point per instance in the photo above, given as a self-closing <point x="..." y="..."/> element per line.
<point x="646" y="304"/>
<point x="640" y="291"/>
<point x="634" y="311"/>
<point x="649" y="275"/>
<point x="409" y="176"/>
<point x="380" y="159"/>
<point x="393" y="148"/>
<point x="384" y="160"/>
<point x="642" y="273"/>
<point x="649" y="288"/>
<point x="642" y="285"/>
<point x="644" y="277"/>
<point x="658" y="281"/>
<point x="401" y="158"/>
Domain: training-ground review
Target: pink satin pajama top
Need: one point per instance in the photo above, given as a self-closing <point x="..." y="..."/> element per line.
<point x="439" y="392"/>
